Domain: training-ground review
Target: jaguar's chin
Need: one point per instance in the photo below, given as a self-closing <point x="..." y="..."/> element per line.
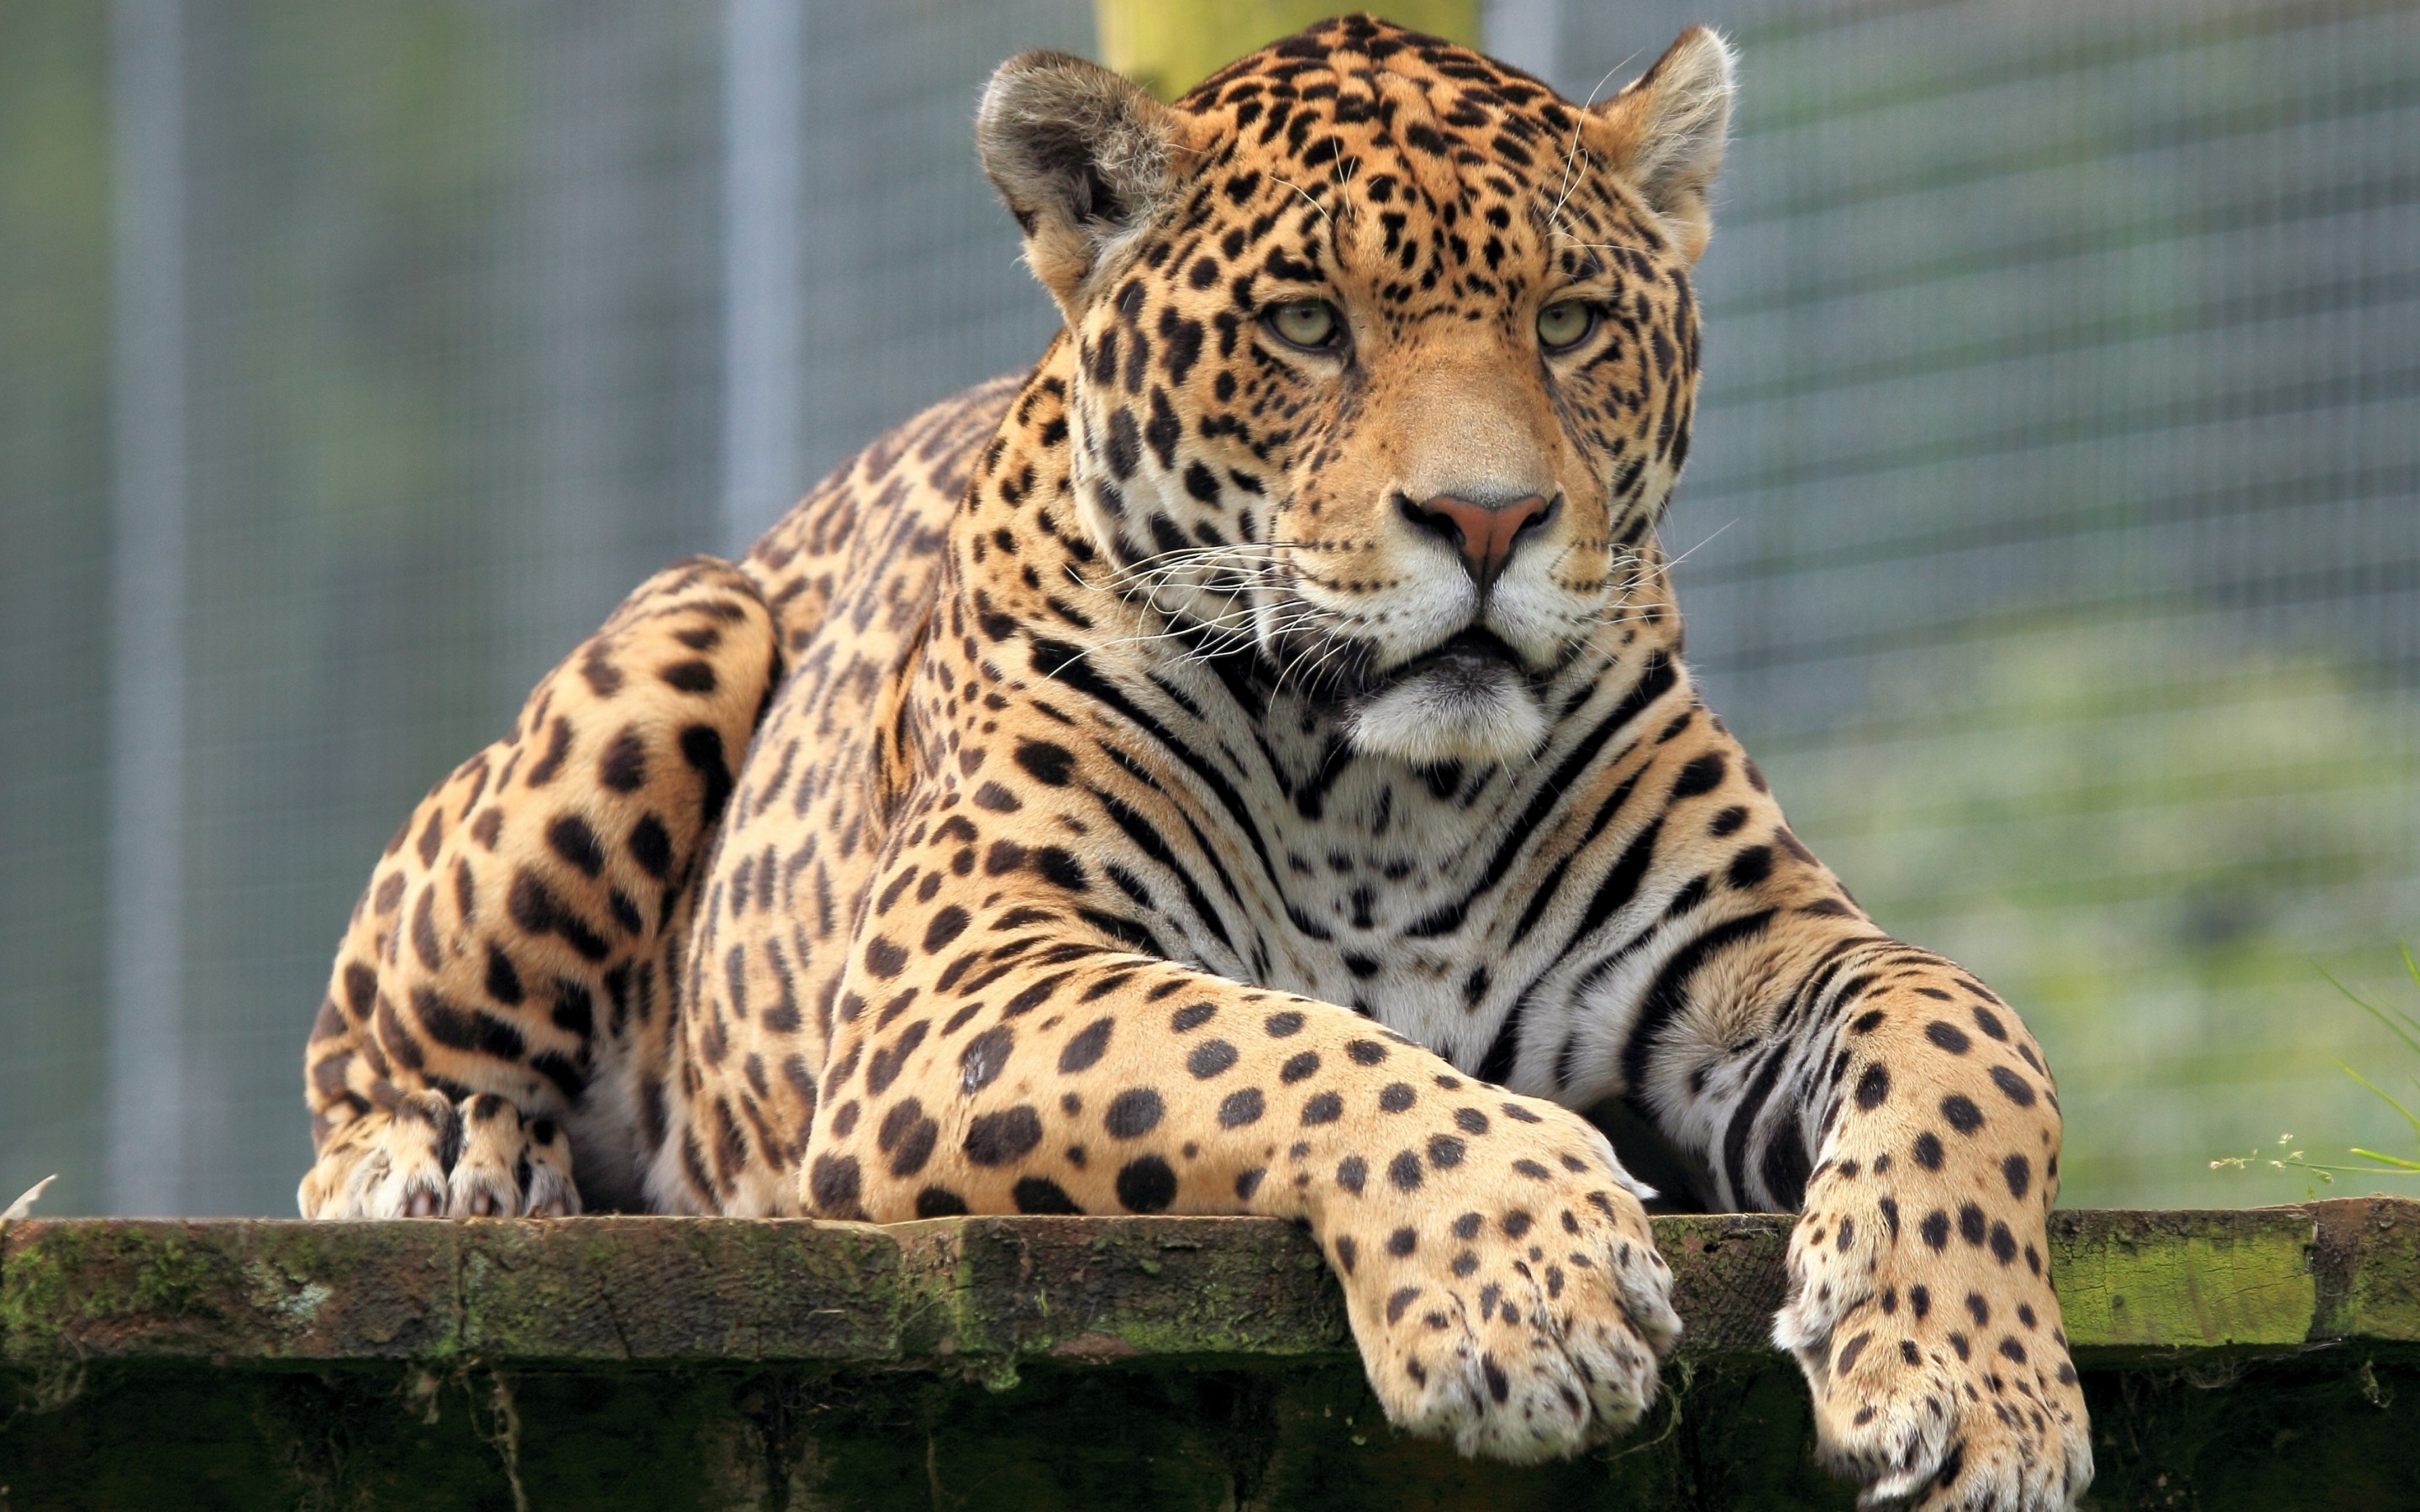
<point x="1466" y="700"/>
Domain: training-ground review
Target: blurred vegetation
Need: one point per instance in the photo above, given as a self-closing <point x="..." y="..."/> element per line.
<point x="2370" y="1164"/>
<point x="2137" y="837"/>
<point x="54" y="582"/>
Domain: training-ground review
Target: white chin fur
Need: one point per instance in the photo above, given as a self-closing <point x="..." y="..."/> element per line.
<point x="1453" y="712"/>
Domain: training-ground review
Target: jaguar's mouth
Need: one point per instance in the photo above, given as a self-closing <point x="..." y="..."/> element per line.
<point x="1468" y="697"/>
<point x="1475" y="648"/>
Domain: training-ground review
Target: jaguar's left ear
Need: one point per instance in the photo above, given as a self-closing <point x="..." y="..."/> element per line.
<point x="1664" y="134"/>
<point x="1084" y="159"/>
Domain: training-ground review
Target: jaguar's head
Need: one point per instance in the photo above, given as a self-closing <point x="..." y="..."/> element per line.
<point x="1387" y="354"/>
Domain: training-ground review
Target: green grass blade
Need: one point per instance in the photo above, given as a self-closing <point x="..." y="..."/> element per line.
<point x="2399" y="1032"/>
<point x="2396" y="1162"/>
<point x="2386" y="1097"/>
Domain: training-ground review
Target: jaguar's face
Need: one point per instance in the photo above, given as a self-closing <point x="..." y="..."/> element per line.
<point x="1390" y="381"/>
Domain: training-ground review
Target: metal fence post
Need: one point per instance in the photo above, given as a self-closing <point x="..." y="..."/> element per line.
<point x="147" y="736"/>
<point x="762" y="317"/>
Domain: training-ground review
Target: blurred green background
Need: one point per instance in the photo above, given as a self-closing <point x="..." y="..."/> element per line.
<point x="2052" y="534"/>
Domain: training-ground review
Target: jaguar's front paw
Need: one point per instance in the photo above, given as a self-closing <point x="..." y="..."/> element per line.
<point x="509" y="1165"/>
<point x="429" y="1158"/>
<point x="1503" y="1283"/>
<point x="1931" y="1340"/>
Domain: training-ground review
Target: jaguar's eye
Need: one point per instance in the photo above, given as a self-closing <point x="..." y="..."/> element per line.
<point x="1312" y="324"/>
<point x="1565" y="324"/>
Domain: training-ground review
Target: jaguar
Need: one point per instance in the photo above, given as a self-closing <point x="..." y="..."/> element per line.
<point x="1246" y="764"/>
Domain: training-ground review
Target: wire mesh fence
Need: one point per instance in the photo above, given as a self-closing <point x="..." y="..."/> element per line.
<point x="2051" y="533"/>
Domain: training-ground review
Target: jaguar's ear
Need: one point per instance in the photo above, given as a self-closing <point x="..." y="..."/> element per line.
<point x="1083" y="157"/>
<point x="1664" y="134"/>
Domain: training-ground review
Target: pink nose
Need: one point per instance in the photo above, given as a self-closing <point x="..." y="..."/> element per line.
<point x="1484" y="535"/>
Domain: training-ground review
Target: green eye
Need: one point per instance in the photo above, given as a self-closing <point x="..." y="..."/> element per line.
<point x="1565" y="324"/>
<point x="1310" y="323"/>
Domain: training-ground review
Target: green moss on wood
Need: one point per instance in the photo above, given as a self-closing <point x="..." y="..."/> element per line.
<point x="2170" y="1280"/>
<point x="1076" y="1362"/>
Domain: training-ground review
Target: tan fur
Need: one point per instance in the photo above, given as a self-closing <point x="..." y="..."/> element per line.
<point x="1009" y="833"/>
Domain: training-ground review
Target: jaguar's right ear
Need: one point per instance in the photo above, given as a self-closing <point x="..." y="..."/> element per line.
<point x="1083" y="157"/>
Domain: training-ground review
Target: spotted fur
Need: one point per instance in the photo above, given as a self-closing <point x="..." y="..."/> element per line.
<point x="1132" y="788"/>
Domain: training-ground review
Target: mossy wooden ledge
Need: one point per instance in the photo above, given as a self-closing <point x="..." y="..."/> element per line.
<point x="2267" y="1358"/>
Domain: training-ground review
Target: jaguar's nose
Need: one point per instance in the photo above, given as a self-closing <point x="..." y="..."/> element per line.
<point x="1486" y="535"/>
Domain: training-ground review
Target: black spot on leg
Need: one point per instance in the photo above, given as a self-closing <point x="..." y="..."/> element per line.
<point x="1928" y="1150"/>
<point x="1962" y="1114"/>
<point x="1210" y="1059"/>
<point x="909" y="1136"/>
<point x="832" y="1182"/>
<point x="570" y="838"/>
<point x="1133" y="1113"/>
<point x="2013" y="1086"/>
<point x="503" y="982"/>
<point x="940" y="1202"/>
<point x="883" y="1067"/>
<point x="1849" y="1352"/>
<point x="700" y="746"/>
<point x="1146" y="1184"/>
<point x="947" y="925"/>
<point x="1873" y="1087"/>
<point x="536" y="908"/>
<point x="692" y="676"/>
<point x="984" y="1056"/>
<point x="1971" y="1225"/>
<point x="1241" y="1108"/>
<point x="1041" y="1194"/>
<point x="1086" y="1047"/>
<point x="624" y="765"/>
<point x="651" y="847"/>
<point x="997" y="1139"/>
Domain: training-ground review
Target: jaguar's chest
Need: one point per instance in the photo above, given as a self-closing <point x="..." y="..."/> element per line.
<point x="1358" y="880"/>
